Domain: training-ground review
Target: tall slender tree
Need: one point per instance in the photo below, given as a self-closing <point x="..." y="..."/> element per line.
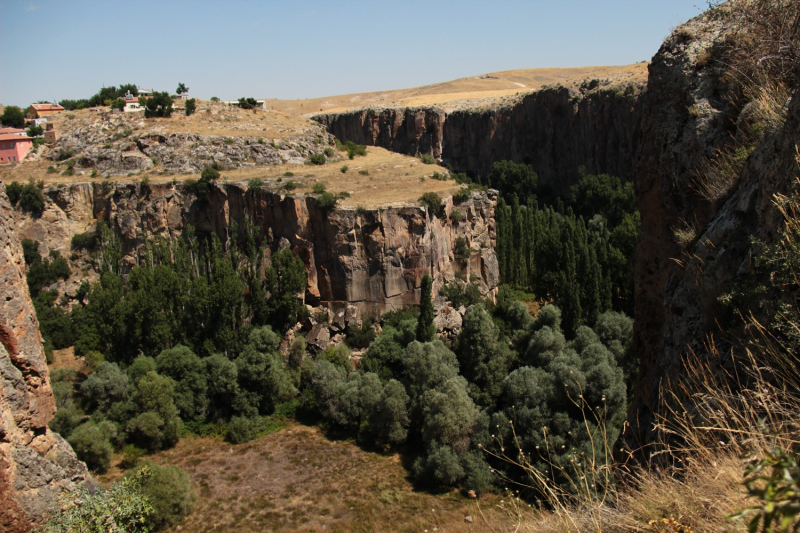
<point x="425" y="327"/>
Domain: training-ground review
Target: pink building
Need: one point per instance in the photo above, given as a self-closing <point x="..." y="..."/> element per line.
<point x="13" y="147"/>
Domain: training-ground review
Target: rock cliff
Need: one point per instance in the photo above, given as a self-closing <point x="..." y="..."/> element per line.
<point x="691" y="109"/>
<point x="371" y="258"/>
<point x="555" y="130"/>
<point x="35" y="463"/>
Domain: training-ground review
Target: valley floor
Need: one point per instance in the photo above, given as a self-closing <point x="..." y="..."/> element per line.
<point x="297" y="479"/>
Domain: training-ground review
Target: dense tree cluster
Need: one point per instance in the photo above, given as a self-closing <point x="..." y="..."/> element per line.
<point x="577" y="255"/>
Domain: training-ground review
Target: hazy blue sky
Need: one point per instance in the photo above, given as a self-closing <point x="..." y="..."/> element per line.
<point x="301" y="49"/>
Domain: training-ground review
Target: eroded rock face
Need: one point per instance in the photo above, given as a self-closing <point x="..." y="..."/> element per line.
<point x="687" y="113"/>
<point x="555" y="130"/>
<point x="373" y="259"/>
<point x="35" y="463"/>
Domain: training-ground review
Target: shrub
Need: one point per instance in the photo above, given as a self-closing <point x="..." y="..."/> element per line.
<point x="288" y="174"/>
<point x="168" y="488"/>
<point x="326" y="201"/>
<point x="328" y="152"/>
<point x="255" y="183"/>
<point x="456" y="216"/>
<point x="316" y="159"/>
<point x="439" y="177"/>
<point x="344" y="169"/>
<point x="86" y="241"/>
<point x="243" y="429"/>
<point x="428" y="159"/>
<point x="433" y="202"/>
<point x="364" y="172"/>
<point x="131" y="455"/>
<point x="318" y="188"/>
<point x="291" y="185"/>
<point x="460" y="248"/>
<point x="14" y="191"/>
<point x="121" y="507"/>
<point x="31" y="198"/>
<point x="191" y="106"/>
<point x="215" y="99"/>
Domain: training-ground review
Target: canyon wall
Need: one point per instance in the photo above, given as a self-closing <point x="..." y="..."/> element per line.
<point x="371" y="258"/>
<point x="690" y="109"/>
<point x="35" y="463"/>
<point x="556" y="130"/>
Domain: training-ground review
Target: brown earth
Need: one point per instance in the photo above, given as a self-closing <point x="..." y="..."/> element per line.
<point x="297" y="479"/>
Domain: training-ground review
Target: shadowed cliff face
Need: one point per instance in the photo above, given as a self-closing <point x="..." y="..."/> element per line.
<point x="689" y="111"/>
<point x="555" y="130"/>
<point x="374" y="259"/>
<point x="35" y="464"/>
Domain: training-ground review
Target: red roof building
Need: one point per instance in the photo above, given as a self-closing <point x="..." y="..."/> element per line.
<point x="13" y="147"/>
<point x="42" y="110"/>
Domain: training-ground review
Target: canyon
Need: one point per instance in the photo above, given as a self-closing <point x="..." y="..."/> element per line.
<point x="655" y="134"/>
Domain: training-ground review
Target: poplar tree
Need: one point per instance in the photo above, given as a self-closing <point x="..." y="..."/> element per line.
<point x="425" y="327"/>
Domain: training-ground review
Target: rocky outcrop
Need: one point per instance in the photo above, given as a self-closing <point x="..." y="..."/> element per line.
<point x="35" y="463"/>
<point x="688" y="111"/>
<point x="556" y="130"/>
<point x="411" y="130"/>
<point x="373" y="259"/>
<point x="119" y="143"/>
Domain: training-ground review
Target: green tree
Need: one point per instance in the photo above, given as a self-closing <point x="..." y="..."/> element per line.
<point x="191" y="106"/>
<point x="188" y="372"/>
<point x="286" y="280"/>
<point x="35" y="131"/>
<point x="182" y="89"/>
<point x="91" y="444"/>
<point x="426" y="330"/>
<point x="13" y="117"/>
<point x="107" y="385"/>
<point x="484" y="355"/>
<point x="158" y="105"/>
<point x="433" y="202"/>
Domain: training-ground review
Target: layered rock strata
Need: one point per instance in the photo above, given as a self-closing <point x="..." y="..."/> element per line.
<point x="556" y="130"/>
<point x="35" y="463"/>
<point x="373" y="259"/>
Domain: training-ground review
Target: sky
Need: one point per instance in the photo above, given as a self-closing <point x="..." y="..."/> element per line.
<point x="304" y="49"/>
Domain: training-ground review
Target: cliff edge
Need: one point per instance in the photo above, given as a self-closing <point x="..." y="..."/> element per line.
<point x="35" y="463"/>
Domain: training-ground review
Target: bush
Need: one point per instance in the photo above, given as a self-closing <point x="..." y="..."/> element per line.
<point x="318" y="188"/>
<point x="344" y="169"/>
<point x="89" y="240"/>
<point x="460" y="248"/>
<point x="255" y="183"/>
<point x="121" y="507"/>
<point x="14" y="191"/>
<point x="168" y="488"/>
<point x="288" y="174"/>
<point x="433" y="202"/>
<point x="316" y="159"/>
<point x="291" y="185"/>
<point x="215" y="99"/>
<point x="427" y="159"/>
<point x="328" y="152"/>
<point x="31" y="198"/>
<point x="364" y="172"/>
<point x="243" y="429"/>
<point x="326" y="201"/>
<point x="191" y="106"/>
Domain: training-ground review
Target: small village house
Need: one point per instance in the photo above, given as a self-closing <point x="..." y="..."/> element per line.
<point x="14" y="147"/>
<point x="42" y="110"/>
<point x="13" y="131"/>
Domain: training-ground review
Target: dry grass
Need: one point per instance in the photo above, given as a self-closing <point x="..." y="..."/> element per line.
<point x="392" y="179"/>
<point x="299" y="480"/>
<point x="494" y="85"/>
